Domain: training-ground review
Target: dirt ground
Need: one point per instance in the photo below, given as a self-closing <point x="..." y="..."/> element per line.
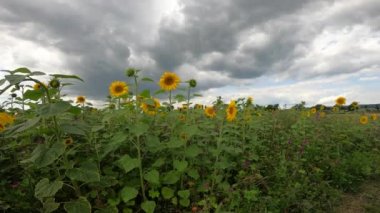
<point x="367" y="199"/>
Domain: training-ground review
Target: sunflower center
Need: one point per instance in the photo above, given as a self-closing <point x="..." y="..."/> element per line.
<point x="230" y="110"/>
<point x="169" y="80"/>
<point x="119" y="89"/>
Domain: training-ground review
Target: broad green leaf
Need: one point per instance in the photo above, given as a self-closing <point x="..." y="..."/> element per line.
<point x="115" y="142"/>
<point x="28" y="124"/>
<point x="58" y="108"/>
<point x="145" y="93"/>
<point x="175" y="143"/>
<point x="148" y="206"/>
<point x="171" y="177"/>
<point x="184" y="193"/>
<point x="75" y="110"/>
<point x="192" y="151"/>
<point x="21" y="70"/>
<point x="109" y="209"/>
<point x="46" y="189"/>
<point x="159" y="92"/>
<point x="87" y="173"/>
<point x="184" y="202"/>
<point x="33" y="95"/>
<point x="149" y="101"/>
<point x="139" y="128"/>
<point x="159" y="162"/>
<point x="79" y="206"/>
<point x="154" y="194"/>
<point x="72" y="129"/>
<point x="127" y="163"/>
<point x="153" y="177"/>
<point x="167" y="192"/>
<point x="128" y="193"/>
<point x="50" y="155"/>
<point x="50" y="205"/>
<point x="67" y="76"/>
<point x="180" y="165"/>
<point x="37" y="73"/>
<point x="193" y="173"/>
<point x="197" y="95"/>
<point x="2" y="81"/>
<point x="147" y="79"/>
<point x="15" y="79"/>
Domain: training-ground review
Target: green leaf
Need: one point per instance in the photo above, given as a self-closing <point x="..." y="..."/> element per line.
<point x="72" y="129"/>
<point x="153" y="177"/>
<point x="171" y="177"/>
<point x="37" y="73"/>
<point x="15" y="79"/>
<point x="185" y="194"/>
<point x="46" y="189"/>
<point x="167" y="192"/>
<point x="184" y="202"/>
<point x="28" y="124"/>
<point x="2" y="81"/>
<point x="128" y="193"/>
<point x="79" y="206"/>
<point x="149" y="101"/>
<point x="147" y="79"/>
<point x="153" y="193"/>
<point x="139" y="128"/>
<point x="58" y="108"/>
<point x="175" y="143"/>
<point x="75" y="110"/>
<point x="193" y="173"/>
<point x="197" y="95"/>
<point x="67" y="76"/>
<point x="44" y="156"/>
<point x="33" y="95"/>
<point x="159" y="92"/>
<point x="159" y="162"/>
<point x="115" y="142"/>
<point x="109" y="209"/>
<point x="22" y="70"/>
<point x="87" y="173"/>
<point x="192" y="151"/>
<point x="50" y="205"/>
<point x="127" y="163"/>
<point x="148" y="206"/>
<point x="180" y="165"/>
<point x="145" y="93"/>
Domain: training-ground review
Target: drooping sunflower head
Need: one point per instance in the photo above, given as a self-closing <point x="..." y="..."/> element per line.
<point x="81" y="99"/>
<point x="363" y="119"/>
<point x="249" y="101"/>
<point x="210" y="111"/>
<point x="374" y="117"/>
<point x="313" y="110"/>
<point x="150" y="109"/>
<point x="68" y="141"/>
<point x="118" y="88"/>
<point x="169" y="81"/>
<point x="37" y="86"/>
<point x="340" y="101"/>
<point x="231" y="111"/>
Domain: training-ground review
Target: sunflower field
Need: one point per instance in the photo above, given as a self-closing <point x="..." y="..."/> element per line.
<point x="139" y="154"/>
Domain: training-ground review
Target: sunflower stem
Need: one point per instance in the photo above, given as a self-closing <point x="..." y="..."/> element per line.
<point x="170" y="100"/>
<point x="138" y="146"/>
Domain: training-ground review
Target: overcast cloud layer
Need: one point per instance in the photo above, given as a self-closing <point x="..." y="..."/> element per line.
<point x="279" y="51"/>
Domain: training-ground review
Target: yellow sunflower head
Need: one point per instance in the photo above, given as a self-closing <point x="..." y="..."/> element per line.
<point x="150" y="109"/>
<point x="169" y="81"/>
<point x="231" y="111"/>
<point x="340" y="101"/>
<point x="363" y="119"/>
<point x="38" y="86"/>
<point x="6" y="118"/>
<point x="313" y="110"/>
<point x="81" y="99"/>
<point x="374" y="117"/>
<point x="118" y="88"/>
<point x="210" y="112"/>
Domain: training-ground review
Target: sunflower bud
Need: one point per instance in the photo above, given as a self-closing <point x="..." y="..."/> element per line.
<point x="54" y="83"/>
<point x="13" y="95"/>
<point x="131" y="72"/>
<point x="193" y="83"/>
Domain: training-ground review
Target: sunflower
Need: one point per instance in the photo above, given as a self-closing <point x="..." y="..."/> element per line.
<point x="5" y="118"/>
<point x="118" y="88"/>
<point x="210" y="111"/>
<point x="363" y="119"/>
<point x="198" y="106"/>
<point x="169" y="81"/>
<point x="37" y="86"/>
<point x="68" y="141"/>
<point x="322" y="114"/>
<point x="2" y="127"/>
<point x="182" y="117"/>
<point x="313" y="110"/>
<point x="340" y="101"/>
<point x="150" y="109"/>
<point x="231" y="111"/>
<point x="335" y="109"/>
<point x="81" y="99"/>
<point x="374" y="117"/>
<point x="249" y="101"/>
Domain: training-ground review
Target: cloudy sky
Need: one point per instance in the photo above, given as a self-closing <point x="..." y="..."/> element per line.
<point x="278" y="51"/>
